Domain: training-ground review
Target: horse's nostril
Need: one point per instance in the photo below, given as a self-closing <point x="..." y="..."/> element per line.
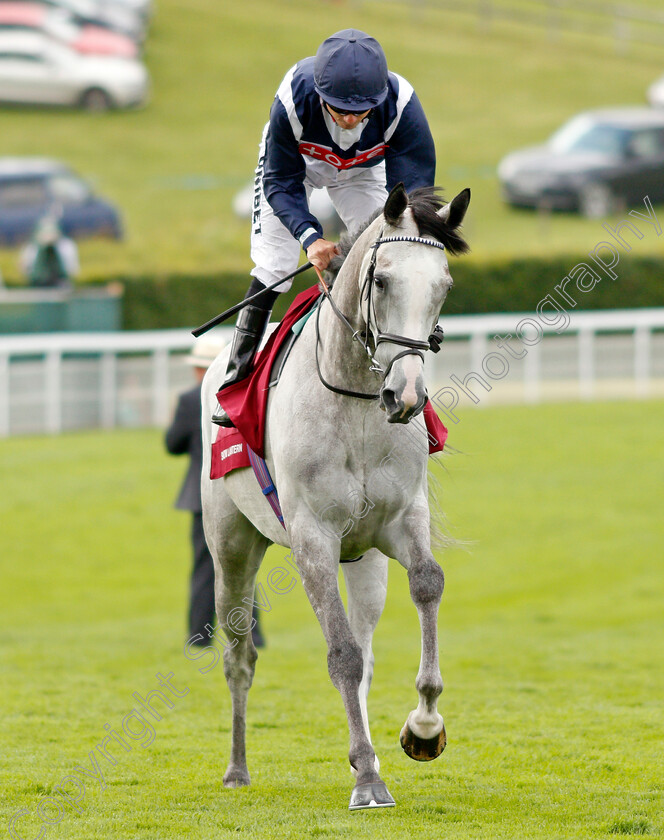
<point x="388" y="401"/>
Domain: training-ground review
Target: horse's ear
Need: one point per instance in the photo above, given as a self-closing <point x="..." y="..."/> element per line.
<point x="396" y="203"/>
<point x="454" y="212"/>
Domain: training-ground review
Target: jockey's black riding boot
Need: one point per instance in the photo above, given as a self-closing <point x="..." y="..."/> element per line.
<point x="249" y="330"/>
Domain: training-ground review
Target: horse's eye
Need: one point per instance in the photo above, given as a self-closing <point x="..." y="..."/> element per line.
<point x="379" y="281"/>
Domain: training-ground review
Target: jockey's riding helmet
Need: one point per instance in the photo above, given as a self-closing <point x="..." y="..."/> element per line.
<point x="350" y="71"/>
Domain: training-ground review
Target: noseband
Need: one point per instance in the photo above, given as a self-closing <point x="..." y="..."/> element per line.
<point x="414" y="347"/>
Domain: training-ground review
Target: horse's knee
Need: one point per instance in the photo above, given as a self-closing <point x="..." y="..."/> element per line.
<point x="344" y="662"/>
<point x="426" y="581"/>
<point x="240" y="663"/>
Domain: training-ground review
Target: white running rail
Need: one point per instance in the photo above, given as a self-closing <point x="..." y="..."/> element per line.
<point x="55" y="382"/>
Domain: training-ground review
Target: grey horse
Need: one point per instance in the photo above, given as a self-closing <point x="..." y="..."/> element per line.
<point x="351" y="473"/>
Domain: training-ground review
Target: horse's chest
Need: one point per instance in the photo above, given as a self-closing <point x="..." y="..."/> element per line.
<point x="352" y="492"/>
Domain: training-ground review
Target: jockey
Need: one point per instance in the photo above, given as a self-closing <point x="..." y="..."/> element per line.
<point x="342" y="121"/>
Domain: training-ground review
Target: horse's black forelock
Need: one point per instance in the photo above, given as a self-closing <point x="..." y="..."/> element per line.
<point x="425" y="202"/>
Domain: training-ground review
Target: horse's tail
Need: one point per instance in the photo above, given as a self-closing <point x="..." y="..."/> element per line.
<point x="440" y="535"/>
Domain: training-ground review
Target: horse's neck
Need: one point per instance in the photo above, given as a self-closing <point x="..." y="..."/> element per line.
<point x="343" y="360"/>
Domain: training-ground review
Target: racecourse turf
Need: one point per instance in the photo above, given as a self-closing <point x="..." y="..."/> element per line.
<point x="551" y="649"/>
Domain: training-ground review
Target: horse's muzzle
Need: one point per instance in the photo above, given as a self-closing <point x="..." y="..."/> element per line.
<point x="400" y="409"/>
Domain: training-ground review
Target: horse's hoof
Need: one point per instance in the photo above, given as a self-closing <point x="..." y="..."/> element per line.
<point x="422" y="749"/>
<point x="234" y="777"/>
<point x="370" y="795"/>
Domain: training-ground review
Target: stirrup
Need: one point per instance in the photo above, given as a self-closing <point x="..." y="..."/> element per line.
<point x="220" y="418"/>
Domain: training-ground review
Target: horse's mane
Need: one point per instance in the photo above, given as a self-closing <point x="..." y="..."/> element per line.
<point x="425" y="202"/>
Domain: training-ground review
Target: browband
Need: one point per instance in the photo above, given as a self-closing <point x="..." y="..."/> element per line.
<point x="420" y="239"/>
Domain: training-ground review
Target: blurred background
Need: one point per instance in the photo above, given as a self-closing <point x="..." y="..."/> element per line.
<point x="493" y="77"/>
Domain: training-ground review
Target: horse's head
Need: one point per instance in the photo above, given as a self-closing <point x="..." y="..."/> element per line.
<point x="404" y="281"/>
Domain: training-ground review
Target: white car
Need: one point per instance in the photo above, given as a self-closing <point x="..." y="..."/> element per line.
<point x="36" y="70"/>
<point x="120" y="17"/>
<point x="656" y="93"/>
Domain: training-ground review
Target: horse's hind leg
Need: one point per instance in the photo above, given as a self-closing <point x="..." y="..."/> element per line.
<point x="366" y="584"/>
<point x="237" y="559"/>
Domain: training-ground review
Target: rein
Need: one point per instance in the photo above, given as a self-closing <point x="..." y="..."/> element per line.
<point x="415" y="347"/>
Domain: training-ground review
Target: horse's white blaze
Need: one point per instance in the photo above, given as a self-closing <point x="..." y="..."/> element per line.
<point x="412" y="368"/>
<point x="415" y="325"/>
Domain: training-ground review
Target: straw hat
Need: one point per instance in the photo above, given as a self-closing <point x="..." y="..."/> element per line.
<point x="205" y="351"/>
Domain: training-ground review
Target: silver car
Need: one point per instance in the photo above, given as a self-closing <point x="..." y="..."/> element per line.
<point x="596" y="163"/>
<point x="36" y="70"/>
<point x="656" y="93"/>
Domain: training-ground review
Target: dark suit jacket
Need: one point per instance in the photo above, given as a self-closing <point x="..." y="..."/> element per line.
<point x="183" y="437"/>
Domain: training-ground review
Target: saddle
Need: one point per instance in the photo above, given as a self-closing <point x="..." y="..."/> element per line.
<point x="283" y="351"/>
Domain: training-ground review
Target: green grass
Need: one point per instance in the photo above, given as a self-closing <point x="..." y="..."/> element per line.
<point x="174" y="166"/>
<point x="551" y="647"/>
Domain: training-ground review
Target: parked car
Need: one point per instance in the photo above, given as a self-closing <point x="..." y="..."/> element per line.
<point x="36" y="70"/>
<point x="31" y="188"/>
<point x="656" y="93"/>
<point x="60" y="25"/>
<point x="597" y="162"/>
<point x="118" y="17"/>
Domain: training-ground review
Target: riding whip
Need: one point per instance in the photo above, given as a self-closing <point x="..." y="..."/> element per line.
<point x="227" y="314"/>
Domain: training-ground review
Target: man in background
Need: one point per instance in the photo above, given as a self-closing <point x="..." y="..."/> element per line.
<point x="183" y="437"/>
<point x="50" y="259"/>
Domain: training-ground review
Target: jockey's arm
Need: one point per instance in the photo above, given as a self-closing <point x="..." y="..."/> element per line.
<point x="283" y="180"/>
<point x="411" y="154"/>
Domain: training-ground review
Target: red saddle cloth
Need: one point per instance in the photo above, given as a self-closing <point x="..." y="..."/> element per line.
<point x="229" y="452"/>
<point x="245" y="401"/>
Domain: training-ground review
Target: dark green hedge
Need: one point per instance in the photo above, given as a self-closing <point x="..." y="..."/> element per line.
<point x="181" y="300"/>
<point x="177" y="300"/>
<point x="519" y="285"/>
<point x="509" y="286"/>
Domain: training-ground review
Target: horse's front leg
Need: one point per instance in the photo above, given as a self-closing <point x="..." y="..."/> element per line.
<point x="318" y="563"/>
<point x="423" y="736"/>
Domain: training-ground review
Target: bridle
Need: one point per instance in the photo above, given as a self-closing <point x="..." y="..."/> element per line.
<point x="414" y="347"/>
